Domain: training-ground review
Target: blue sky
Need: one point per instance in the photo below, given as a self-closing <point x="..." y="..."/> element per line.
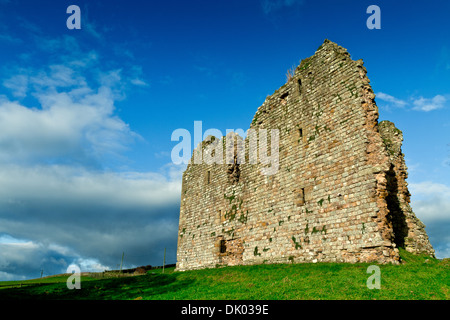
<point x="86" y="116"/>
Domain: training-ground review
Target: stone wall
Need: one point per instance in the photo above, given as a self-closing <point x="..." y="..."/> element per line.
<point x="340" y="192"/>
<point x="408" y="230"/>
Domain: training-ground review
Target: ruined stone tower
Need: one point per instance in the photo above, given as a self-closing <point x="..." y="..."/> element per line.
<point x="340" y="191"/>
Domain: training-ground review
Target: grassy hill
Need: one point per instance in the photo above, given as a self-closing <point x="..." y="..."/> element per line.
<point x="418" y="277"/>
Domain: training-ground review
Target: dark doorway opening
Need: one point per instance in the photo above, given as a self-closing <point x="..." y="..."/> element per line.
<point x="396" y="215"/>
<point x="223" y="246"/>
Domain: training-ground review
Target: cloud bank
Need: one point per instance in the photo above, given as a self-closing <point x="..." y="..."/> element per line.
<point x="431" y="204"/>
<point x="63" y="199"/>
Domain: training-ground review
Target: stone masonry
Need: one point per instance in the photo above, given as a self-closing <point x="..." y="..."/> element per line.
<point x="339" y="195"/>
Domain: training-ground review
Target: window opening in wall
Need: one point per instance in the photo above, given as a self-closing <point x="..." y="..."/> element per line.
<point x="284" y="98"/>
<point x="208" y="177"/>
<point x="299" y="197"/>
<point x="299" y="82"/>
<point x="300" y="132"/>
<point x="221" y="216"/>
<point x="223" y="246"/>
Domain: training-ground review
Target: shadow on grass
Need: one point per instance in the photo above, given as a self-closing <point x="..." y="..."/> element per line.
<point x="145" y="286"/>
<point x="417" y="278"/>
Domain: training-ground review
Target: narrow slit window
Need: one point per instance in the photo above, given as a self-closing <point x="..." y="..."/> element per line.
<point x="303" y="195"/>
<point x="299" y="82"/>
<point x="299" y="136"/>
<point x="299" y="197"/>
<point x="208" y="177"/>
<point x="223" y="246"/>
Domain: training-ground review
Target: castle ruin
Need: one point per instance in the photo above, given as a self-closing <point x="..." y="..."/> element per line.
<point x="339" y="194"/>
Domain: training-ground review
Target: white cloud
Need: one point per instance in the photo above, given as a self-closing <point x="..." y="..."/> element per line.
<point x="76" y="186"/>
<point x="90" y="265"/>
<point x="18" y="84"/>
<point x="74" y="121"/>
<point x="64" y="45"/>
<point x="6" y="276"/>
<point x="431" y="201"/>
<point x="7" y="239"/>
<point x="84" y="61"/>
<point x="36" y="257"/>
<point x="136" y="77"/>
<point x="431" y="204"/>
<point x="418" y="104"/>
<point x="139" y="82"/>
<point x="392" y="100"/>
<point x="69" y="124"/>
<point x="57" y="76"/>
<point x="17" y="254"/>
<point x="422" y="104"/>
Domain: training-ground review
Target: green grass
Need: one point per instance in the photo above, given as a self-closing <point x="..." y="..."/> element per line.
<point x="418" y="278"/>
